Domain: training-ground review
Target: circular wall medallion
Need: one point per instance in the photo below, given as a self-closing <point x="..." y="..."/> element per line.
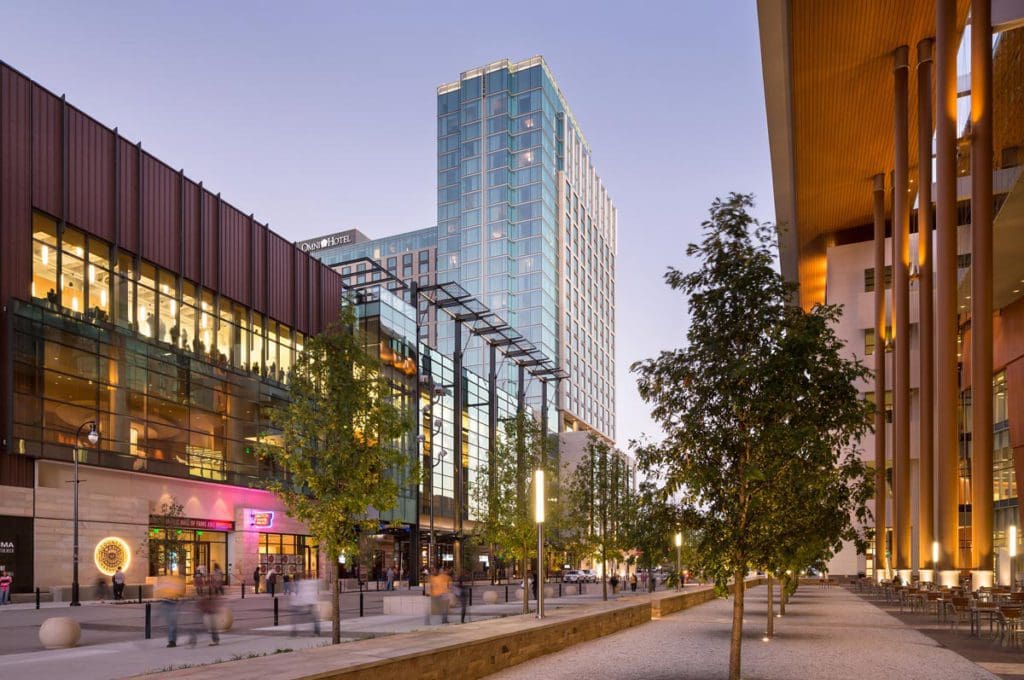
<point x="112" y="552"/>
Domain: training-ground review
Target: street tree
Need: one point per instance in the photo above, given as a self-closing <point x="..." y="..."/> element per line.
<point x="758" y="402"/>
<point x="339" y="444"/>
<point x="597" y="493"/>
<point x="504" y="497"/>
<point x="649" y="526"/>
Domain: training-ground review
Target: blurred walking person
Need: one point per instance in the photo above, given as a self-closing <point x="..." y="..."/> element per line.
<point x="169" y="590"/>
<point x="307" y="604"/>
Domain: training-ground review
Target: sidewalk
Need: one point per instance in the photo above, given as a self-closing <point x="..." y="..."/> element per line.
<point x="98" y="658"/>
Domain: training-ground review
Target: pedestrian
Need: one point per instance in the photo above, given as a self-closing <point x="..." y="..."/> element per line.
<point x="632" y="582"/>
<point x="209" y="610"/>
<point x="391" y="579"/>
<point x="217" y="580"/>
<point x="118" y="580"/>
<point x="307" y="604"/>
<point x="614" y="580"/>
<point x="533" y="585"/>
<point x="200" y="581"/>
<point x="169" y="590"/>
<point x="6" y="584"/>
<point x="256" y="580"/>
<point x="462" y="592"/>
<point x="286" y="579"/>
<point x="101" y="589"/>
<point x="440" y="585"/>
<point x="271" y="581"/>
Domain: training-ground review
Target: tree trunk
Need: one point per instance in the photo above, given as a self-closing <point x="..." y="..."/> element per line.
<point x="770" y="628"/>
<point x="736" y="640"/>
<point x="526" y="581"/>
<point x="782" y="595"/>
<point x="604" y="572"/>
<point x="332" y="571"/>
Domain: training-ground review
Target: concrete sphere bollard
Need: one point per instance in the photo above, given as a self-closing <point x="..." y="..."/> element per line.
<point x="491" y="597"/>
<point x="549" y="591"/>
<point x="59" y="632"/>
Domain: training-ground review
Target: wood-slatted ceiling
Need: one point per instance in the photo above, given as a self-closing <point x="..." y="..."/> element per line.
<point x="842" y="79"/>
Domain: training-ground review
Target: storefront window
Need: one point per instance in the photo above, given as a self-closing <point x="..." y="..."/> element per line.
<point x="290" y="554"/>
<point x="183" y="551"/>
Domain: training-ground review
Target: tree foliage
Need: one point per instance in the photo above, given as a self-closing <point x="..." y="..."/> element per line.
<point x="339" y="443"/>
<point x="597" y="497"/>
<point x="505" y="502"/>
<point x="759" y="409"/>
<point x="649" y="527"/>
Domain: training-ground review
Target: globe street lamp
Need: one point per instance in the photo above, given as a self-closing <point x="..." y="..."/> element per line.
<point x="538" y="511"/>
<point x="93" y="438"/>
<point x="679" y="567"/>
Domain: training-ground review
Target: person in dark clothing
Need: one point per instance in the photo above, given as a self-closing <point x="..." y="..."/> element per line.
<point x="463" y="595"/>
<point x="256" y="580"/>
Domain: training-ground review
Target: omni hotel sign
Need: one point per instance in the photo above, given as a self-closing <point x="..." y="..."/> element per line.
<point x="342" y="238"/>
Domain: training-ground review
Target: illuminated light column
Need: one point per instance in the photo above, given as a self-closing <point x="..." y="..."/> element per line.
<point x="901" y="315"/>
<point x="926" y="314"/>
<point x="880" y="341"/>
<point x="538" y="512"/>
<point x="981" y="292"/>
<point x="946" y="436"/>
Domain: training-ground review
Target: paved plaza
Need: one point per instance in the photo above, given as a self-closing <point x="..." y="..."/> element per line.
<point x="830" y="634"/>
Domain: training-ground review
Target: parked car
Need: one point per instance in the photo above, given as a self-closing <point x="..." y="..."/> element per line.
<point x="588" y="576"/>
<point x="571" y="576"/>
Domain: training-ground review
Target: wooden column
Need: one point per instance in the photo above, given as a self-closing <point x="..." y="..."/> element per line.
<point x="880" y="341"/>
<point x="947" y="435"/>
<point x="926" y="313"/>
<point x="901" y="313"/>
<point x="981" y="291"/>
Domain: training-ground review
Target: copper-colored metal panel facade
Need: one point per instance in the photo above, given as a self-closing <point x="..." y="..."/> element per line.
<point x="57" y="160"/>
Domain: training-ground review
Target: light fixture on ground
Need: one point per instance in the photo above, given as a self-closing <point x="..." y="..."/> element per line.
<point x="93" y="438"/>
<point x="679" y="563"/>
<point x="538" y="512"/>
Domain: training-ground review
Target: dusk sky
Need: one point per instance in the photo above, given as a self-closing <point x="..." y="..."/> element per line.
<point x="322" y="116"/>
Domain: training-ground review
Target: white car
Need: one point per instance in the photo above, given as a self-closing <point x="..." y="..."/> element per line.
<point x="572" y="576"/>
<point x="588" y="576"/>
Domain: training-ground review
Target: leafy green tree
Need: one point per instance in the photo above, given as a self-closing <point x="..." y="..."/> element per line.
<point x="167" y="553"/>
<point x="506" y="500"/>
<point x="650" y="525"/>
<point x="597" y="493"/>
<point x="758" y="403"/>
<point x="339" y="444"/>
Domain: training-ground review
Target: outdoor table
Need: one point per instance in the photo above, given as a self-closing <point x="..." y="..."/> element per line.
<point x="989" y="610"/>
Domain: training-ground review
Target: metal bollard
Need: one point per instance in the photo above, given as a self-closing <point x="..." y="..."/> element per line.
<point x="559" y="589"/>
<point x="360" y="604"/>
<point x="149" y="620"/>
<point x="471" y="596"/>
<point x="243" y="590"/>
<point x="506" y="593"/>
<point x="140" y="594"/>
<point x="275" y="610"/>
<point x="37" y="598"/>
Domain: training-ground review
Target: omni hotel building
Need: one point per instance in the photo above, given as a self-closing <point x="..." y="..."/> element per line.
<point x="897" y="144"/>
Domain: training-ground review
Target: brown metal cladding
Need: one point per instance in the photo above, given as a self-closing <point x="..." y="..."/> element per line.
<point x="234" y="254"/>
<point x="128" y="189"/>
<point x="160" y="214"/>
<point x="190" y="232"/>
<point x="91" y="181"/>
<point x="46" y="152"/>
<point x="15" y="183"/>
<point x="210" y="240"/>
<point x="112" y="184"/>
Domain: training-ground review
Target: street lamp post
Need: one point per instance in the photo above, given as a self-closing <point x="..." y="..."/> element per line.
<point x="538" y="511"/>
<point x="93" y="438"/>
<point x="679" y="563"/>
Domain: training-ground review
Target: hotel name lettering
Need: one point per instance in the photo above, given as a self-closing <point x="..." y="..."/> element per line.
<point x="190" y="523"/>
<point x="340" y="239"/>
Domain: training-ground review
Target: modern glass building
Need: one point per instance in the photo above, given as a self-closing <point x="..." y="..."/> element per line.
<point x="525" y="225"/>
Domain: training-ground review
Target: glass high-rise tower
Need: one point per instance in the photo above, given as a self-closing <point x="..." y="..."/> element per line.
<point x="525" y="225"/>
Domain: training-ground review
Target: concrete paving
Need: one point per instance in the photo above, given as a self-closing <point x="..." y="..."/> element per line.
<point x="113" y="645"/>
<point x="827" y="633"/>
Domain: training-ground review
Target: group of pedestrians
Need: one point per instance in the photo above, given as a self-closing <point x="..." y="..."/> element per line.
<point x="190" y="616"/>
<point x="440" y="588"/>
<point x="116" y="580"/>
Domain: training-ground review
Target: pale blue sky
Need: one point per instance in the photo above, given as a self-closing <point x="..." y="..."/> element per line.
<point x="320" y="116"/>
